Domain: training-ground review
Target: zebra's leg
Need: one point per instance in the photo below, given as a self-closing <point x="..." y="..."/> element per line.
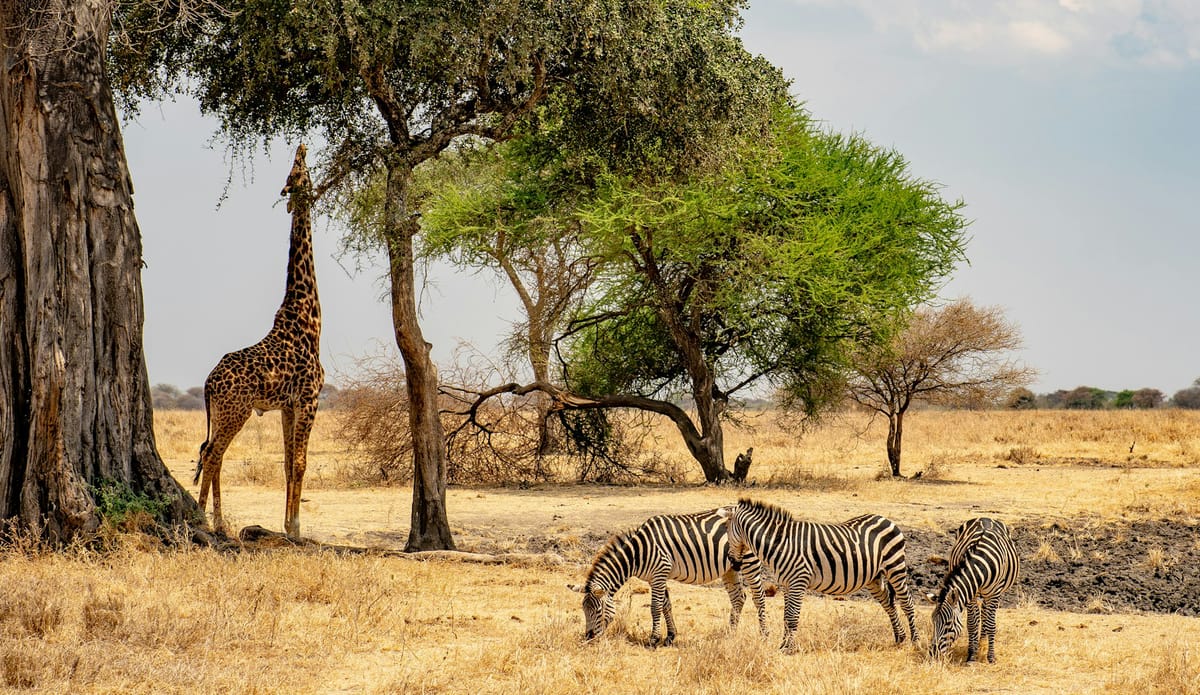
<point x="885" y="595"/>
<point x="972" y="630"/>
<point x="989" y="626"/>
<point x="792" y="598"/>
<point x="670" y="616"/>
<point x="751" y="575"/>
<point x="900" y="586"/>
<point x="737" y="596"/>
<point x="658" y="594"/>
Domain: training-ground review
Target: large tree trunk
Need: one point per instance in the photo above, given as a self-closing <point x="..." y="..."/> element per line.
<point x="539" y="360"/>
<point x="74" y="395"/>
<point x="430" y="529"/>
<point x="895" y="433"/>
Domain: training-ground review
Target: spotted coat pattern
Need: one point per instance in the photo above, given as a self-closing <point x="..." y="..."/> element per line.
<point x="281" y="372"/>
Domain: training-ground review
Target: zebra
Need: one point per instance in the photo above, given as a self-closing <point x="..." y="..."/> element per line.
<point x="836" y="559"/>
<point x="983" y="565"/>
<point x="688" y="548"/>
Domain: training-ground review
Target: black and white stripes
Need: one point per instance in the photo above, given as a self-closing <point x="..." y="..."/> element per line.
<point x="838" y="559"/>
<point x="983" y="565"/>
<point x="688" y="548"/>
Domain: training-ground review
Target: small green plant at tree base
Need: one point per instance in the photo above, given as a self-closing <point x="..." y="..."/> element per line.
<point x="123" y="508"/>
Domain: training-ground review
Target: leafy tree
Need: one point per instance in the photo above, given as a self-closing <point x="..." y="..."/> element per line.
<point x="391" y="85"/>
<point x="1123" y="399"/>
<point x="1147" y="398"/>
<point x="948" y="355"/>
<point x="1084" y="398"/>
<point x="74" y="396"/>
<point x="764" y="268"/>
<point x="486" y="210"/>
<point x="1188" y="398"/>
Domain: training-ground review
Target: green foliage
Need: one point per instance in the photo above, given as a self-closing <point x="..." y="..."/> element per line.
<point x="1123" y="399"/>
<point x="122" y="507"/>
<point x="1083" y="398"/>
<point x="804" y="243"/>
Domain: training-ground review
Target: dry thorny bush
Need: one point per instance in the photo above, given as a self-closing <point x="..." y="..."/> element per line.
<point x="496" y="442"/>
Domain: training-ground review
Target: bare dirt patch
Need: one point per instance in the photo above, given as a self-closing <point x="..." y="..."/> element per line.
<point x="1085" y="567"/>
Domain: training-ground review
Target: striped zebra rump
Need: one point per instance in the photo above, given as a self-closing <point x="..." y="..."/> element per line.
<point x="836" y="559"/>
<point x="984" y="564"/>
<point x="688" y="548"/>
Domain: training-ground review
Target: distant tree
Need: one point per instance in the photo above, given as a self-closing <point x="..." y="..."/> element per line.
<point x="1147" y="398"/>
<point x="189" y="401"/>
<point x="1188" y="398"/>
<point x="163" y="396"/>
<point x="329" y="396"/>
<point x="1084" y="398"/>
<point x="1021" y="399"/>
<point x="1052" y="400"/>
<point x="1123" y="400"/>
<point x="958" y="353"/>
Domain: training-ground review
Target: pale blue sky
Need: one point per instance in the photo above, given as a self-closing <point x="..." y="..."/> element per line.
<point x="1069" y="128"/>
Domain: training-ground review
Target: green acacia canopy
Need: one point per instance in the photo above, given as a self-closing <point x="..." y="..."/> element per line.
<point x="803" y="243"/>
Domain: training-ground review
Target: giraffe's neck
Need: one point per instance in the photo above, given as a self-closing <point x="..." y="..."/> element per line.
<point x="301" y="309"/>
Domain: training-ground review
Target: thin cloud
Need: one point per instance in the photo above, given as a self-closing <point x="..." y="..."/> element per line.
<point x="1150" y="32"/>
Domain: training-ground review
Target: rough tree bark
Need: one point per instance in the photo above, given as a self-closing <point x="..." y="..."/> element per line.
<point x="74" y="394"/>
<point x="430" y="529"/>
<point x="894" y="439"/>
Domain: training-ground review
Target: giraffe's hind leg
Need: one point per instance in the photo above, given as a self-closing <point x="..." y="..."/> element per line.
<point x="225" y="426"/>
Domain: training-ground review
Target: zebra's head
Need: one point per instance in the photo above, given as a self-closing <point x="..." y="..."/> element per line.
<point x="598" y="610"/>
<point x="947" y="623"/>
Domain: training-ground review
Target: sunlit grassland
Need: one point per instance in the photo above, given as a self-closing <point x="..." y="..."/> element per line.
<point x="304" y="621"/>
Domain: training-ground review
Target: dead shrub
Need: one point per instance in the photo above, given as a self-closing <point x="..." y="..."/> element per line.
<point x="1021" y="455"/>
<point x="804" y="478"/>
<point x="103" y="614"/>
<point x="938" y="467"/>
<point x="498" y="445"/>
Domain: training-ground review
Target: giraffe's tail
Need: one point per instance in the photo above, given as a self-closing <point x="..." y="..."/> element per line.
<point x="207" y="438"/>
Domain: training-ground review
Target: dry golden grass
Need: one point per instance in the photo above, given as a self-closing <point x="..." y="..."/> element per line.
<point x="317" y="622"/>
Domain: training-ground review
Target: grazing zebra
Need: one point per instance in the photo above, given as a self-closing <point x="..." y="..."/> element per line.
<point x="983" y="565"/>
<point x="837" y="559"/>
<point x="688" y="548"/>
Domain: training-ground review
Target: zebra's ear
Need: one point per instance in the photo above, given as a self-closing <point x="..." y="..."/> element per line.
<point x="930" y="598"/>
<point x="576" y="587"/>
<point x="724" y="512"/>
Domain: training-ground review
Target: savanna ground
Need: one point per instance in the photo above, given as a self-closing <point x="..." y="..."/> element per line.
<point x="1107" y="602"/>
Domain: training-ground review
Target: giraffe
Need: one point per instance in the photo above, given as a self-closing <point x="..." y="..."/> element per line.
<point x="281" y="372"/>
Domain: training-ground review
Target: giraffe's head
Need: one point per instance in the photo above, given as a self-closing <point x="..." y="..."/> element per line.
<point x="298" y="183"/>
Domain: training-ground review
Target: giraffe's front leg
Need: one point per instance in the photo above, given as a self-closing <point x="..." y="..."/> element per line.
<point x="301" y="426"/>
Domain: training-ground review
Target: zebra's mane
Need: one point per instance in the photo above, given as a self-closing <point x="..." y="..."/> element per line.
<point x="620" y="539"/>
<point x="959" y="568"/>
<point x="767" y="508"/>
<point x="951" y="575"/>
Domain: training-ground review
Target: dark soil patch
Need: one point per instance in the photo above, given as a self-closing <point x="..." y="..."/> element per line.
<point x="1138" y="566"/>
